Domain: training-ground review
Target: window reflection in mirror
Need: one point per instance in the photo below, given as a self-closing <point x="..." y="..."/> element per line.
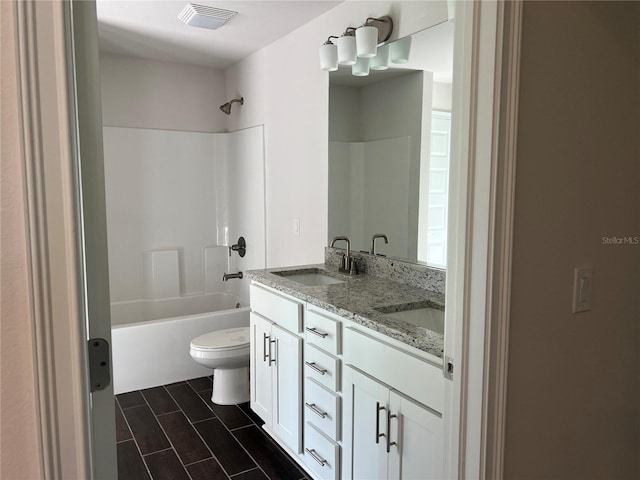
<point x="389" y="143"/>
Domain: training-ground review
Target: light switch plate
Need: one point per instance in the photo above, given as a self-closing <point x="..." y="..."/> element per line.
<point x="582" y="279"/>
<point x="296" y="227"/>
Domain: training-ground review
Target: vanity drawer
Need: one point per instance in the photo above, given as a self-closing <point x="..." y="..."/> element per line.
<point x="322" y="367"/>
<point x="322" y="408"/>
<point x="321" y="455"/>
<point x="284" y="311"/>
<point x="323" y="332"/>
<point x="402" y="370"/>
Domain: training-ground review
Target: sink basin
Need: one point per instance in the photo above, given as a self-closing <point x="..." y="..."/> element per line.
<point x="312" y="277"/>
<point x="421" y="316"/>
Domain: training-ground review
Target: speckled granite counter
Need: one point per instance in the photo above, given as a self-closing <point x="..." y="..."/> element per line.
<point x="358" y="298"/>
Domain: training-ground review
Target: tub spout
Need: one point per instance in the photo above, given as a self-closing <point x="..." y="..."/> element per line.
<point x="229" y="276"/>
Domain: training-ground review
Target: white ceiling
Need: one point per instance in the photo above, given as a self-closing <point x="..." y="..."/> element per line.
<point x="151" y="29"/>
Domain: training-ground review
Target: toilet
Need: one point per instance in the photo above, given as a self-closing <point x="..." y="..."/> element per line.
<point x="227" y="353"/>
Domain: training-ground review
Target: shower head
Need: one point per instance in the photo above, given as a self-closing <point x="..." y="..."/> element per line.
<point x="226" y="108"/>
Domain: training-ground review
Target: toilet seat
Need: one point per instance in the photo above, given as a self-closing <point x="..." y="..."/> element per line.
<point x="222" y="340"/>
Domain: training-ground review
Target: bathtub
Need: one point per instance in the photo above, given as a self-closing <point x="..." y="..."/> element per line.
<point x="150" y="338"/>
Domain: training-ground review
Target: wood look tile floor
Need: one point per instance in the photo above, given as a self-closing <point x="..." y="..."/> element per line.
<point x="175" y="432"/>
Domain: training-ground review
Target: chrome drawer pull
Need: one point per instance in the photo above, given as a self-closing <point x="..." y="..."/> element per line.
<point x="378" y="434"/>
<point x="389" y="442"/>
<point x="315" y="456"/>
<point x="316" y="410"/>
<point x="313" y="365"/>
<point x="265" y="355"/>
<point x="271" y="360"/>
<point x="316" y="332"/>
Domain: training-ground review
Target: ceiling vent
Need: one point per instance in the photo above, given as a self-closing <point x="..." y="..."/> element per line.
<point x="205" y="17"/>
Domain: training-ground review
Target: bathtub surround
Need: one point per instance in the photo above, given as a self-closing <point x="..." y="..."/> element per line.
<point x="180" y="196"/>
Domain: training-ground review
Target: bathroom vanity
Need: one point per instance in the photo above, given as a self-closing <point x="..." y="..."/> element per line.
<point x="347" y="371"/>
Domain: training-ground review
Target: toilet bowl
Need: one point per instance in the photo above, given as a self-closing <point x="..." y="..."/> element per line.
<point x="227" y="353"/>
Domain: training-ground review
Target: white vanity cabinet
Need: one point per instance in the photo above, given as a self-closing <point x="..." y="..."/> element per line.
<point x="387" y="433"/>
<point x="345" y="401"/>
<point x="322" y="385"/>
<point x="276" y="364"/>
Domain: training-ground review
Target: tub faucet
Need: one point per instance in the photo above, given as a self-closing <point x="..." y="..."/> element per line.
<point x="348" y="264"/>
<point x="229" y="276"/>
<point x="373" y="241"/>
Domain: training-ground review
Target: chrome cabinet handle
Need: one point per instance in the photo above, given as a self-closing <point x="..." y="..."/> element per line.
<point x="316" y="332"/>
<point x="378" y="434"/>
<point x="271" y="359"/>
<point x="265" y="355"/>
<point x="316" y="457"/>
<point x="313" y="365"/>
<point x="316" y="410"/>
<point x="389" y="442"/>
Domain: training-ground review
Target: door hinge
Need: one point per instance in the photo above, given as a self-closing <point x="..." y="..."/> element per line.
<point x="99" y="365"/>
<point x="447" y="368"/>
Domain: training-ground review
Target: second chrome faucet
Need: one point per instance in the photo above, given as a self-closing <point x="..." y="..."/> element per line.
<point x="348" y="264"/>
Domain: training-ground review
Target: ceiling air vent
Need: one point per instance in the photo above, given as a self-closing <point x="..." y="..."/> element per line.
<point x="205" y="17"/>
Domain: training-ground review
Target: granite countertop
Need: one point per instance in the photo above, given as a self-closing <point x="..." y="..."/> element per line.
<point x="358" y="298"/>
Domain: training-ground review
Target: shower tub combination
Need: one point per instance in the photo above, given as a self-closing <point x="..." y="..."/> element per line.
<point x="151" y="338"/>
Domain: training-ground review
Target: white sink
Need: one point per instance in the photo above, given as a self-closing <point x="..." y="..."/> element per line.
<point x="430" y="318"/>
<point x="310" y="278"/>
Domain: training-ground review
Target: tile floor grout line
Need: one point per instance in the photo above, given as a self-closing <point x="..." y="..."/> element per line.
<point x="213" y="454"/>
<point x="135" y="442"/>
<point x="158" y="451"/>
<point x="245" y="471"/>
<point x="173" y="447"/>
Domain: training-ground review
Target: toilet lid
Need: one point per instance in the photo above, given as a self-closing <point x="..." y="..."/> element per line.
<point x="222" y="339"/>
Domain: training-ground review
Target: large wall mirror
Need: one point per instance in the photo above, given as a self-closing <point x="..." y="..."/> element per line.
<point x="389" y="139"/>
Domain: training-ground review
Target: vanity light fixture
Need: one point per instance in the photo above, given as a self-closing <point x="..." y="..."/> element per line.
<point x="329" y="55"/>
<point x="356" y="44"/>
<point x="400" y="49"/>
<point x="381" y="60"/>
<point x="360" y="68"/>
<point x="347" y="47"/>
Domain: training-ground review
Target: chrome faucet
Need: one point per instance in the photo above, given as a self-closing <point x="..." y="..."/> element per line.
<point x="348" y="264"/>
<point x="373" y="241"/>
<point x="229" y="276"/>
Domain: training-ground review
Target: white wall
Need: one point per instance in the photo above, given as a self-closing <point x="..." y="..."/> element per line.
<point x="442" y="96"/>
<point x="286" y="91"/>
<point x="162" y="95"/>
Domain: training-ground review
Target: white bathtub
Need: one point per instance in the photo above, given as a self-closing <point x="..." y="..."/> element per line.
<point x="150" y="338"/>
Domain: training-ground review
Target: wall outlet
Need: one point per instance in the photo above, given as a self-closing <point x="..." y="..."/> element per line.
<point x="582" y="279"/>
<point x="296" y="227"/>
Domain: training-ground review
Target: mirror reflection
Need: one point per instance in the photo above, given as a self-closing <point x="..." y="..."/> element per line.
<point x="389" y="139"/>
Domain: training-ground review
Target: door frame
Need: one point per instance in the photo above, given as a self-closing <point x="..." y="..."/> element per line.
<point x="474" y="443"/>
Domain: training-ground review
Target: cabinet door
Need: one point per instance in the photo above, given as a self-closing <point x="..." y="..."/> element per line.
<point x="260" y="367"/>
<point x="287" y="388"/>
<point x="418" y="434"/>
<point x="365" y="404"/>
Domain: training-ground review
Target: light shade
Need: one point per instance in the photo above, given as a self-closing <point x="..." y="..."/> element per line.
<point x="367" y="41"/>
<point x="360" y="68"/>
<point x="329" y="57"/>
<point x="381" y="60"/>
<point x="347" y="54"/>
<point x="400" y="50"/>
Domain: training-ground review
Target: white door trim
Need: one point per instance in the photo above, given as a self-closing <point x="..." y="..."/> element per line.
<point x="481" y="225"/>
<point x="57" y="329"/>
<point x="496" y="360"/>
